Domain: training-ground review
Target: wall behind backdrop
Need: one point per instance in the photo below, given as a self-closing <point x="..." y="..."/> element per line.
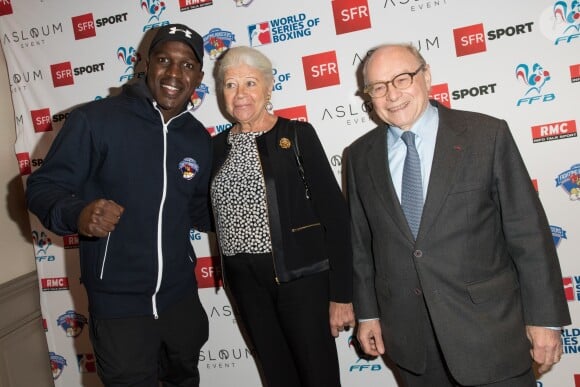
<point x="517" y="60"/>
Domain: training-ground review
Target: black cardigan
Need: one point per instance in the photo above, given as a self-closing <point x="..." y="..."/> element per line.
<point x="308" y="235"/>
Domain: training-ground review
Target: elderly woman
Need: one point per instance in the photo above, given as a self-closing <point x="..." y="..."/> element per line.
<point x="282" y="226"/>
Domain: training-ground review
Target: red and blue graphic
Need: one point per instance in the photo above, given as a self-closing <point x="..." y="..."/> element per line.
<point x="189" y="168"/>
<point x="154" y="9"/>
<point x="41" y="243"/>
<point x="534" y="77"/>
<point x="570" y="182"/>
<point x="217" y="41"/>
<point x="259" y="34"/>
<point x="568" y="12"/>
<point x="57" y="364"/>
<point x="572" y="287"/>
<point x="72" y="323"/>
<point x="87" y="363"/>
<point x="567" y="16"/>
<point x="558" y="233"/>
<point x="198" y="95"/>
<point x="129" y="57"/>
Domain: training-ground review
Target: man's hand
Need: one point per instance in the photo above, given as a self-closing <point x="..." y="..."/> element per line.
<point x="546" y="346"/>
<point x="341" y="317"/>
<point x="99" y="218"/>
<point x="369" y="337"/>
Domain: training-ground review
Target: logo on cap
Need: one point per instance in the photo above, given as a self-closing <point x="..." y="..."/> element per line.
<point x="173" y="30"/>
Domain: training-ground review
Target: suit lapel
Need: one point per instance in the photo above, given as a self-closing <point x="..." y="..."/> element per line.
<point x="449" y="148"/>
<point x="378" y="167"/>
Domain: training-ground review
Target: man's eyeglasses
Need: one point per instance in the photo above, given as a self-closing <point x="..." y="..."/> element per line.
<point x="401" y="82"/>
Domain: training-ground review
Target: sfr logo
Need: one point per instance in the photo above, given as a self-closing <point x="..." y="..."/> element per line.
<point x="350" y="15"/>
<point x="5" y="7"/>
<point x="62" y="74"/>
<point x="320" y="70"/>
<point x="41" y="120"/>
<point x="440" y="93"/>
<point x="469" y="40"/>
<point x="297" y="113"/>
<point x="84" y="26"/>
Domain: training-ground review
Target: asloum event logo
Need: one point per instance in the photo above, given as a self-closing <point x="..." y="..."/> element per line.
<point x="281" y="29"/>
<point x="416" y="5"/>
<point x="534" y="77"/>
<point x="32" y="36"/>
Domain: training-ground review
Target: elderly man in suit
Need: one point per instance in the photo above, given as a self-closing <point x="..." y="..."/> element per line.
<point x="456" y="273"/>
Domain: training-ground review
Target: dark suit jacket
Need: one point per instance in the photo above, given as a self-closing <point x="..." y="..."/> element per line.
<point x="484" y="262"/>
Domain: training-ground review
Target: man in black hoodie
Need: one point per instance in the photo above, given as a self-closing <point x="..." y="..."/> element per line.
<point x="129" y="174"/>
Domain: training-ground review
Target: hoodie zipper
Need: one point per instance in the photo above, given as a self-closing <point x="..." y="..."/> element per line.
<point x="160" y="215"/>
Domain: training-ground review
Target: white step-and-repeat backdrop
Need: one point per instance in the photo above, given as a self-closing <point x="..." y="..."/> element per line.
<point x="518" y="60"/>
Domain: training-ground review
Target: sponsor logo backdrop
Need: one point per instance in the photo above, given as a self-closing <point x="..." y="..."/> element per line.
<point x="517" y="60"/>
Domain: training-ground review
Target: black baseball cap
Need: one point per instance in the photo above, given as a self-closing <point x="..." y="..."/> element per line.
<point x="180" y="33"/>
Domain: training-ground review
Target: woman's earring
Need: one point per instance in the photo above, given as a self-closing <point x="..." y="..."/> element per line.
<point x="269" y="105"/>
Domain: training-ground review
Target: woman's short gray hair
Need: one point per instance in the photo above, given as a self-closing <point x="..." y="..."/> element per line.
<point x="243" y="55"/>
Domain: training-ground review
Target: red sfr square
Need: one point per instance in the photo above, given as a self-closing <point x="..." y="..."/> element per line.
<point x="440" y="93"/>
<point x="320" y="70"/>
<point x="5" y="7"/>
<point x="41" y="120"/>
<point x="469" y="40"/>
<point x="62" y="74"/>
<point x="350" y="15"/>
<point x="297" y="113"/>
<point x="84" y="26"/>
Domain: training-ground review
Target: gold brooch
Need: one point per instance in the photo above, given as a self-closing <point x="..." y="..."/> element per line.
<point x="285" y="143"/>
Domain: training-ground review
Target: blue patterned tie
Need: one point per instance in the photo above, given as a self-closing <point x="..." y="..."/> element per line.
<point x="412" y="188"/>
